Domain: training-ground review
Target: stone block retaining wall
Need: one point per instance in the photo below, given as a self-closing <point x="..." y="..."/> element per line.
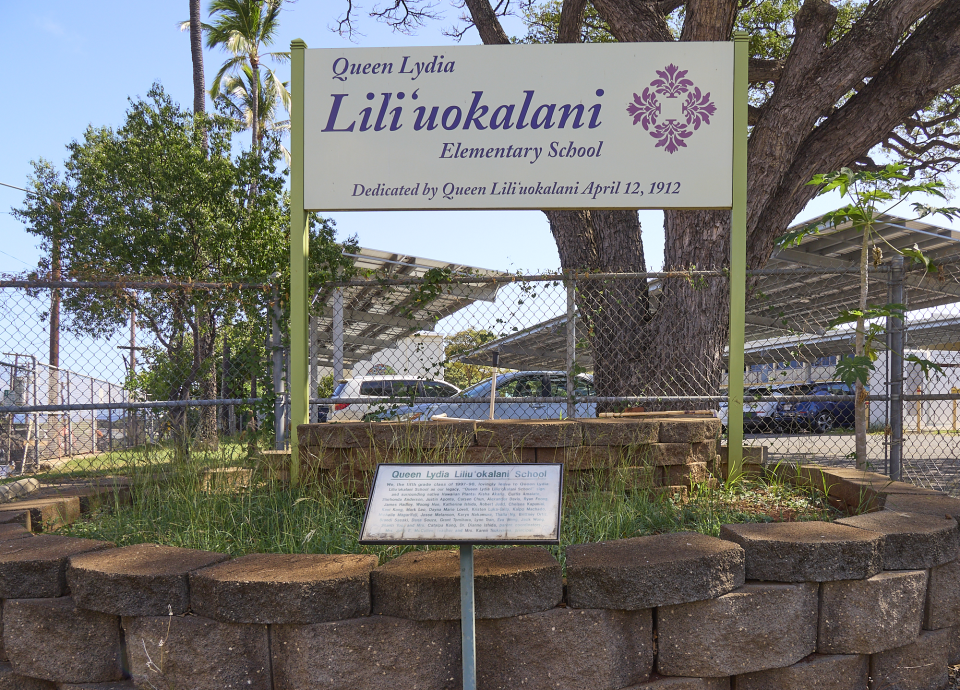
<point x="647" y="449"/>
<point x="870" y="602"/>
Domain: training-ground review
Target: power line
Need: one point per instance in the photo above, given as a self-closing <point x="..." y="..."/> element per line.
<point x="19" y="189"/>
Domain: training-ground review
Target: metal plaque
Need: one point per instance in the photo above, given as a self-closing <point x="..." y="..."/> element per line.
<point x="455" y="504"/>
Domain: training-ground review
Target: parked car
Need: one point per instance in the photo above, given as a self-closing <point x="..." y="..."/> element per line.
<point x="400" y="388"/>
<point x="757" y="416"/>
<point x="474" y="402"/>
<point x="820" y="416"/>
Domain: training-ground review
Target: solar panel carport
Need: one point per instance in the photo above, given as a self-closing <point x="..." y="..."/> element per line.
<point x="787" y="300"/>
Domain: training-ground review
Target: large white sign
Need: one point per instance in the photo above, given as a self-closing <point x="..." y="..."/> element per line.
<point x="438" y="504"/>
<point x="629" y="125"/>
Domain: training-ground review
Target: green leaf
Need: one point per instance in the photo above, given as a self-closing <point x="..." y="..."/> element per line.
<point x="926" y="366"/>
<point x="853" y="369"/>
<point x="919" y="257"/>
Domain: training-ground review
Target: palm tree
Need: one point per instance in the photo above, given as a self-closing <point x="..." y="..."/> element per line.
<point x="243" y="27"/>
<point x="236" y="101"/>
<point x="196" y="54"/>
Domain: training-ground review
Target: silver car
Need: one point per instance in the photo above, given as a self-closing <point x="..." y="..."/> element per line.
<point x="474" y="402"/>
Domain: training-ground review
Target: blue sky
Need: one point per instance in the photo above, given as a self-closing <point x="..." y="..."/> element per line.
<point x="78" y="62"/>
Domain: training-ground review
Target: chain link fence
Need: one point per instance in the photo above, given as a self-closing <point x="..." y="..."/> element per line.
<point x="143" y="371"/>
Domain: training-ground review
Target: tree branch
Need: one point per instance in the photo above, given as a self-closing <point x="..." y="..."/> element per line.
<point x="763" y="71"/>
<point x="709" y="20"/>
<point x="907" y="83"/>
<point x="484" y="17"/>
<point x="634" y="20"/>
<point x="571" y="21"/>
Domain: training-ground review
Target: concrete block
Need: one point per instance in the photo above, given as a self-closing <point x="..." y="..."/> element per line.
<point x="284" y="588"/>
<point x="11" y="680"/>
<point x="872" y="615"/>
<point x="529" y="433"/>
<point x="46" y="513"/>
<point x="18" y="489"/>
<point x="579" y="457"/>
<point x="54" y="640"/>
<point x="138" y="580"/>
<point x="13" y="530"/>
<point x="664" y="683"/>
<point x="619" y="432"/>
<point x="565" y="648"/>
<point x="196" y="653"/>
<point x="674" y="430"/>
<point x="920" y="665"/>
<point x="953" y="646"/>
<point x="376" y="653"/>
<point x="756" y="627"/>
<point x="816" y="672"/>
<point x="481" y="454"/>
<point x="425" y="585"/>
<point x="913" y="540"/>
<point x="438" y="434"/>
<point x="19" y="517"/>
<point x="807" y="551"/>
<point x="37" y="567"/>
<point x="927" y="504"/>
<point x="644" y="572"/>
<point x="692" y="473"/>
<point x="705" y="451"/>
<point x="942" y="607"/>
<point x="671" y="453"/>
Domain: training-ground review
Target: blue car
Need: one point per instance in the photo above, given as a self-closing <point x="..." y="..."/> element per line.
<point x="820" y="416"/>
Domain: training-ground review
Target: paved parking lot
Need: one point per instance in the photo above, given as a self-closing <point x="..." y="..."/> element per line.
<point x="929" y="459"/>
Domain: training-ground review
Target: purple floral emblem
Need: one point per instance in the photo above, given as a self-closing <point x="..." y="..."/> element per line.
<point x="671" y="133"/>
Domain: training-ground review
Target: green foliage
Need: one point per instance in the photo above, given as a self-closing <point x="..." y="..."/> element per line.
<point x="177" y="506"/>
<point x="150" y="199"/>
<point x="543" y="24"/>
<point x="460" y="374"/>
<point x="855" y="368"/>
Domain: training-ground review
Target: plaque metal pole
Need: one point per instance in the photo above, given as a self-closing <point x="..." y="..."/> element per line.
<point x="468" y="619"/>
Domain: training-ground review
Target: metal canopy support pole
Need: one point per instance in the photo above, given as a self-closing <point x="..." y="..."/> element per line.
<point x="276" y="346"/>
<point x="299" y="256"/>
<point x="337" y="333"/>
<point x="468" y="619"/>
<point x="314" y="377"/>
<point x="738" y="255"/>
<point x="895" y="373"/>
<point x="571" y="346"/>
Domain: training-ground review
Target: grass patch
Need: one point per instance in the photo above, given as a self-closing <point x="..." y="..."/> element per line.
<point x="172" y="506"/>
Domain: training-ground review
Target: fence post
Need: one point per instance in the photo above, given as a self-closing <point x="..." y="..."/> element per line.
<point x="93" y="420"/>
<point x="299" y="260"/>
<point x="895" y="373"/>
<point x="69" y="420"/>
<point x="278" y="389"/>
<point x="337" y="332"/>
<point x="738" y="256"/>
<point x="314" y="377"/>
<point x="571" y="345"/>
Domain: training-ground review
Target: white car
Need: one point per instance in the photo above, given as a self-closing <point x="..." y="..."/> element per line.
<point x="757" y="416"/>
<point x="402" y="389"/>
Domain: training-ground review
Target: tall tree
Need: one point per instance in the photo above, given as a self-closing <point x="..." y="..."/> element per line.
<point x="236" y="101"/>
<point x="244" y="28"/>
<point x="196" y="55"/>
<point x="833" y="83"/>
<point x="150" y="199"/>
